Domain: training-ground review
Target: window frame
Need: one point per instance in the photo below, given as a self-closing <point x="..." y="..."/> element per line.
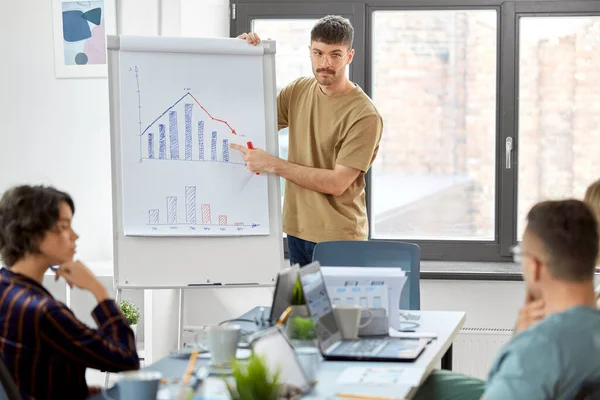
<point x="509" y="13"/>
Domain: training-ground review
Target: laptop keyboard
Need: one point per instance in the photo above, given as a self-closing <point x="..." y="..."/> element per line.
<point x="359" y="347"/>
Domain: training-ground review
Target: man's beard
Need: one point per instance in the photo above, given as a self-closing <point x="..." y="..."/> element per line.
<point x="327" y="79"/>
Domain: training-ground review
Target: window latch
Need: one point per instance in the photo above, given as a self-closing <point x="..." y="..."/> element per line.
<point x="509" y="148"/>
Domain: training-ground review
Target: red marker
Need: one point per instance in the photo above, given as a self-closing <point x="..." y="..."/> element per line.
<point x="251" y="147"/>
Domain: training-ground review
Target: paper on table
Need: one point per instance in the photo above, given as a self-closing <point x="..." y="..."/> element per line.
<point x="408" y="376"/>
<point x="409" y="335"/>
<point x="363" y="295"/>
<point x="393" y="278"/>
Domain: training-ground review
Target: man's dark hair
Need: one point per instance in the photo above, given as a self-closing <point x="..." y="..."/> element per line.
<point x="569" y="233"/>
<point x="26" y="214"/>
<point x="333" y="29"/>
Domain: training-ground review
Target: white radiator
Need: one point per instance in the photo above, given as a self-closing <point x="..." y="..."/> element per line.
<point x="475" y="349"/>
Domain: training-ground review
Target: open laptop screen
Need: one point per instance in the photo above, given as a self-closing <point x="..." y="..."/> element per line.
<point x="284" y="289"/>
<point x="319" y="305"/>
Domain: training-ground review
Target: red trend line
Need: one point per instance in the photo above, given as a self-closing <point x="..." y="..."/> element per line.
<point x="211" y="117"/>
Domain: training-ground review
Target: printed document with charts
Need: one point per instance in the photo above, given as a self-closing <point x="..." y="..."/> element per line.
<point x="371" y="287"/>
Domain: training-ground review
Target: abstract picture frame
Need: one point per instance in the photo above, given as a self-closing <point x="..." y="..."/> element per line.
<point x="80" y="30"/>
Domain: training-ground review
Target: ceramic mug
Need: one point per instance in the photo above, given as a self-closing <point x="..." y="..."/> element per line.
<point x="348" y="320"/>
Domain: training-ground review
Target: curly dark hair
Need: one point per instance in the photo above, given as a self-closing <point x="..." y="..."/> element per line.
<point x="569" y="232"/>
<point x="26" y="214"/>
<point x="333" y="29"/>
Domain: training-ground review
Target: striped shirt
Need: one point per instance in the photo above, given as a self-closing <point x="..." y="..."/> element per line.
<point x="47" y="349"/>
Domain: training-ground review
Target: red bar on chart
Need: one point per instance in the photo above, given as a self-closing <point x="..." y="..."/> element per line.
<point x="205" y="208"/>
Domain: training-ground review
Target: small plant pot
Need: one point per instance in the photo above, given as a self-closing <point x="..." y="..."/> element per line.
<point x="134" y="329"/>
<point x="299" y="324"/>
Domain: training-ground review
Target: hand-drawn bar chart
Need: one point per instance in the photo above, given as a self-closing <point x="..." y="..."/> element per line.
<point x="168" y="125"/>
<point x="180" y="175"/>
<point x="189" y="219"/>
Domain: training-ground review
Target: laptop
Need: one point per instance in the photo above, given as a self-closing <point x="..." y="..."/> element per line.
<point x="331" y="344"/>
<point x="284" y="289"/>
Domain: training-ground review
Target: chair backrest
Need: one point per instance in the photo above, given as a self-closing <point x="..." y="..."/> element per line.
<point x="377" y="253"/>
<point x="589" y="390"/>
<point x="9" y="389"/>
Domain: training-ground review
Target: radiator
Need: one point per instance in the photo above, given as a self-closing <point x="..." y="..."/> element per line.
<point x="475" y="349"/>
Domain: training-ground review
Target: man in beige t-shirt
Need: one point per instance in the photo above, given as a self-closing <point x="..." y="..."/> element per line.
<point x="334" y="134"/>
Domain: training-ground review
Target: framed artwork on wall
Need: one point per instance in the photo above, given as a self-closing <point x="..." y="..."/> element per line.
<point x="80" y="29"/>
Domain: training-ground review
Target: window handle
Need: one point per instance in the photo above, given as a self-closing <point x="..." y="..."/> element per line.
<point x="509" y="148"/>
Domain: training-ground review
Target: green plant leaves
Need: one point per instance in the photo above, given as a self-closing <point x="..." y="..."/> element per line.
<point x="130" y="311"/>
<point x="253" y="380"/>
<point x="298" y="294"/>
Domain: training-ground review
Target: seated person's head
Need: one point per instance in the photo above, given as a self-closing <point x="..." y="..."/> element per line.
<point x="560" y="245"/>
<point x="592" y="198"/>
<point x="35" y="225"/>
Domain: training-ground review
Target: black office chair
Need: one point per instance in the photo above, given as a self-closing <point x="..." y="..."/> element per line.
<point x="8" y="389"/>
<point x="589" y="390"/>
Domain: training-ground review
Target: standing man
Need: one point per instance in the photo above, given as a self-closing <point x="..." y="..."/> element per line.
<point x="334" y="134"/>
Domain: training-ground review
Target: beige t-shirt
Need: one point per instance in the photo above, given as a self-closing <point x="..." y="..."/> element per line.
<point x="324" y="131"/>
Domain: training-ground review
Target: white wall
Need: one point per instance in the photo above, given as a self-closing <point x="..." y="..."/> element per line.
<point x="207" y="18"/>
<point x="53" y="131"/>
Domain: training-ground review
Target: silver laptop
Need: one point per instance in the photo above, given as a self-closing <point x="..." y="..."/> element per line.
<point x="284" y="289"/>
<point x="331" y="344"/>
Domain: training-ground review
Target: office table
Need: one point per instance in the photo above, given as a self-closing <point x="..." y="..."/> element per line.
<point x="446" y="324"/>
<point x="258" y="315"/>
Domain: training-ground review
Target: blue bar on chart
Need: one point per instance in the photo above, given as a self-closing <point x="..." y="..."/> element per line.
<point x="153" y="217"/>
<point x="150" y="145"/>
<point x="173" y="135"/>
<point x="162" y="142"/>
<point x="213" y="147"/>
<point x="171" y="210"/>
<point x="190" y="204"/>
<point x="188" y="131"/>
<point x="201" y="140"/>
<point x="225" y="150"/>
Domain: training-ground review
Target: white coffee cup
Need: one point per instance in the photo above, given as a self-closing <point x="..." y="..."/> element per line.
<point x="348" y="320"/>
<point x="222" y="342"/>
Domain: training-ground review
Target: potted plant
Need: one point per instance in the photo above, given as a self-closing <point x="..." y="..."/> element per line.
<point x="131" y="313"/>
<point x="253" y="380"/>
<point x="299" y="324"/>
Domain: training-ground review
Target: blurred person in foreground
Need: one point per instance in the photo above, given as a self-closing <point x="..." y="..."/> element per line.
<point x="556" y="347"/>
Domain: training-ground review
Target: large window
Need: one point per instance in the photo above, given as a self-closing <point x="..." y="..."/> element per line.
<point x="489" y="106"/>
<point x="434" y="82"/>
<point x="559" y="108"/>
